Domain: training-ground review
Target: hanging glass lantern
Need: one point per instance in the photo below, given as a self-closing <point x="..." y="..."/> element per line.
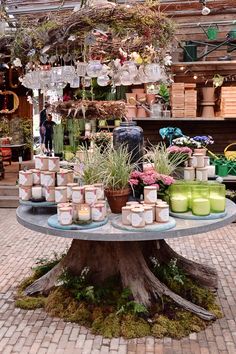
<point x="94" y="68"/>
<point x="103" y="80"/>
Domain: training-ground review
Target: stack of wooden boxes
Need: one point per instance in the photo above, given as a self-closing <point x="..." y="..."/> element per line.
<point x="184" y="100"/>
<point x="228" y="102"/>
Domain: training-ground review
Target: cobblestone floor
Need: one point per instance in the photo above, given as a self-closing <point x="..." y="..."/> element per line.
<point x="35" y="332"/>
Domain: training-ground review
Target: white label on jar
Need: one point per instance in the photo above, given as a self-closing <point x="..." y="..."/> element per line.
<point x="52" y="165"/>
<point x="65" y="218"/>
<point x="90" y="197"/>
<point x="77" y="197"/>
<point x="36" y="177"/>
<point x="136" y="220"/>
<point x="152" y="196"/>
<point x="129" y="217"/>
<point x="100" y="193"/>
<point x="96" y="214"/>
<point x="148" y="216"/>
<point x="58" y="196"/>
<point x="23" y="179"/>
<point x="164" y="215"/>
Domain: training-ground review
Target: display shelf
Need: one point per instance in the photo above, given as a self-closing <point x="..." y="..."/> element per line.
<point x="215" y="119"/>
<point x="205" y="63"/>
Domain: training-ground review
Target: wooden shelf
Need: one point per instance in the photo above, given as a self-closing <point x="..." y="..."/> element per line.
<point x="204" y="63"/>
<point x="214" y="119"/>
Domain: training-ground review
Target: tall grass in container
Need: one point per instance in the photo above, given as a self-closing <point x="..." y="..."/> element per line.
<point x="91" y="164"/>
<point x="164" y="161"/>
<point x="116" y="169"/>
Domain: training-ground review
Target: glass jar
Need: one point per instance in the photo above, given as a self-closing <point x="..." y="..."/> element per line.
<point x="153" y="72"/>
<point x="217" y="197"/>
<point x="130" y="135"/>
<point x="103" y="80"/>
<point x="179" y="198"/>
<point x="200" y="200"/>
<point x="131" y="67"/>
<point x="94" y="68"/>
<point x="137" y="217"/>
<point x="81" y="69"/>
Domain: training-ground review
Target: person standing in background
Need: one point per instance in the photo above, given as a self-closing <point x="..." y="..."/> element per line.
<point x="42" y="119"/>
<point x="48" y="126"/>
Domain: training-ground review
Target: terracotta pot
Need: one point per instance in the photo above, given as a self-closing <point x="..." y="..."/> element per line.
<point x="117" y="199"/>
<point x="141" y="97"/>
<point x="131" y="98"/>
<point x="131" y="111"/>
<point x="141" y="113"/>
<point x="138" y="90"/>
<point x="202" y="151"/>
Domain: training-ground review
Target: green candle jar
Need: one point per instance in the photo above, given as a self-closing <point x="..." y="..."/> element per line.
<point x="200" y="200"/>
<point x="217" y="197"/>
<point x="179" y="195"/>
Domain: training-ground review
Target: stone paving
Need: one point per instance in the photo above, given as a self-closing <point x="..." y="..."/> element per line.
<point x="35" y="332"/>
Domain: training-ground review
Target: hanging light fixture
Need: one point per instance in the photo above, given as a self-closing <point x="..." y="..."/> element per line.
<point x="205" y="9"/>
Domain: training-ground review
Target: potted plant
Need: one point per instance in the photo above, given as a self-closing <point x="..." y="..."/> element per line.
<point x="116" y="168"/>
<point x="203" y="141"/>
<point x="88" y="164"/>
<point x="102" y="139"/>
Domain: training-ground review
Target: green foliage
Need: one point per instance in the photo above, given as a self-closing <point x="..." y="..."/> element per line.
<point x="30" y="303"/>
<point x="58" y="138"/>
<point x="133" y="327"/>
<point x="74" y="133"/>
<point x="116" y="168"/>
<point x="44" y="265"/>
<point x="164" y="92"/>
<point x="92" y="164"/>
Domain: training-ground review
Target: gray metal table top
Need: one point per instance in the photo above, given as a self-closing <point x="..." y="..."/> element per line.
<point x="37" y="221"/>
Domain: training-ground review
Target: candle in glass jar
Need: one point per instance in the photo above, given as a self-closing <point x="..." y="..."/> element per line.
<point x="201" y="206"/>
<point x="202" y="174"/>
<point x="162" y="213"/>
<point x="26" y="178"/>
<point x="60" y="194"/>
<point x="25" y="192"/>
<point x="70" y="176"/>
<point x="97" y="211"/>
<point x="100" y="190"/>
<point x="217" y="203"/>
<point x="59" y="206"/>
<point x="50" y="194"/>
<point x="211" y="171"/>
<point x="69" y="189"/>
<point x="153" y="208"/>
<point x="37" y="192"/>
<point x="41" y="163"/>
<point x="137" y="217"/>
<point x="148" y="215"/>
<point x="126" y="214"/>
<point x="150" y="194"/>
<point x="36" y="176"/>
<point x="54" y="164"/>
<point x="189" y="173"/>
<point x="132" y="202"/>
<point x="78" y="195"/>
<point x="65" y="216"/>
<point x="84" y="212"/>
<point x="179" y="203"/>
<point x="198" y="160"/>
<point x="49" y="179"/>
<point x="90" y="195"/>
<point x="62" y="178"/>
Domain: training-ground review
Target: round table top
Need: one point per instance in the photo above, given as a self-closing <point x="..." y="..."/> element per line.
<point x="37" y="221"/>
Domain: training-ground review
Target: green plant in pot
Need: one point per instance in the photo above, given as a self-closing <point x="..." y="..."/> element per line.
<point x="116" y="168"/>
<point x="90" y="162"/>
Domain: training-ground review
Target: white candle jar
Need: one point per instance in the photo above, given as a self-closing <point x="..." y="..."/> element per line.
<point x="25" y="193"/>
<point x="100" y="191"/>
<point x="211" y="171"/>
<point x="37" y="192"/>
<point x="42" y="178"/>
<point x="54" y="164"/>
<point x="126" y="214"/>
<point x="26" y="178"/>
<point x="148" y="215"/>
<point x="104" y="203"/>
<point x="62" y="178"/>
<point x="198" y="160"/>
<point x="162" y="213"/>
<point x="202" y="174"/>
<point x="133" y="202"/>
<point x="78" y="195"/>
<point x="49" y="179"/>
<point x="137" y="217"/>
<point x="65" y="216"/>
<point x="97" y="212"/>
<point x="36" y="176"/>
<point x="189" y="173"/>
<point x="41" y="163"/>
<point x="50" y="194"/>
<point x="150" y="194"/>
<point x="153" y="208"/>
<point x="75" y="211"/>
<point x="84" y="212"/>
<point x="69" y="189"/>
<point x="59" y="206"/>
<point x="60" y="194"/>
<point x="90" y="195"/>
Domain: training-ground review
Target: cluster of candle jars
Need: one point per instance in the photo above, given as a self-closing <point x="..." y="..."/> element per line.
<point x="83" y="205"/>
<point x="198" y="168"/>
<point x="201" y="199"/>
<point x="149" y="211"/>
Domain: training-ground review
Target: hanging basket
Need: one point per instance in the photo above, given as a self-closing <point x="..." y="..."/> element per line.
<point x="230" y="155"/>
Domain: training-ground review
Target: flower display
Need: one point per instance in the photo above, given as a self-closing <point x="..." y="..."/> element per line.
<point x="186" y="141"/>
<point x="204" y="140"/>
<point x="138" y="180"/>
<point x="173" y="149"/>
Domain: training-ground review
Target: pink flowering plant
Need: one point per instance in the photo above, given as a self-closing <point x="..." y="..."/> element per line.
<point x="138" y="180"/>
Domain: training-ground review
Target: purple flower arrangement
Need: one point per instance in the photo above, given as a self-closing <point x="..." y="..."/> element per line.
<point x="204" y="140"/>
